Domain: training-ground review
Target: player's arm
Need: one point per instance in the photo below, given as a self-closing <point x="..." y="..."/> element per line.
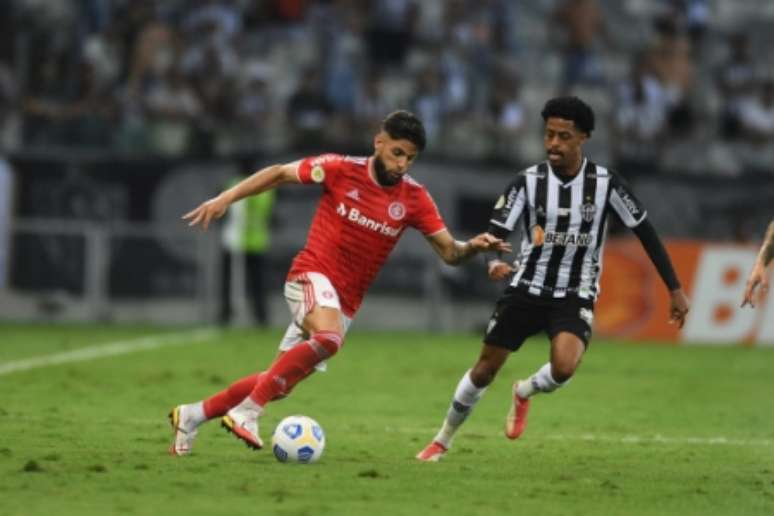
<point x="505" y="214"/>
<point x="455" y="252"/>
<point x="758" y="276"/>
<point x="633" y="214"/>
<point x="265" y="179"/>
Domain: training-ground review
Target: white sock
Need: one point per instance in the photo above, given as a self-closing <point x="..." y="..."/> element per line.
<point x="465" y="398"/>
<point x="250" y="407"/>
<point x="542" y="381"/>
<point x="194" y="414"/>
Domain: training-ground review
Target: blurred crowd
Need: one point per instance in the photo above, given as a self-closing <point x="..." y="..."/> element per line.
<point x="677" y="84"/>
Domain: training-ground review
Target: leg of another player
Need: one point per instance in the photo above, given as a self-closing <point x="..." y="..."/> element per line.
<point x="470" y="389"/>
<point x="566" y="353"/>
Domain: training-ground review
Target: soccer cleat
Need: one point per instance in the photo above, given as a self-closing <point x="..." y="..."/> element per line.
<point x="243" y="425"/>
<point x="432" y="452"/>
<point x="185" y="431"/>
<point x="516" y="421"/>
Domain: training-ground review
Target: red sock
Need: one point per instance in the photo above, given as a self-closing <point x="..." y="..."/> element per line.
<point x="295" y="365"/>
<point x="218" y="404"/>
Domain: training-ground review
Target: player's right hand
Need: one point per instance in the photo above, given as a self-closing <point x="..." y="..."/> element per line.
<point x="215" y="208"/>
<point x="499" y="269"/>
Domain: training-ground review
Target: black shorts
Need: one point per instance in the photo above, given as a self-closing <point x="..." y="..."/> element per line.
<point x="519" y="315"/>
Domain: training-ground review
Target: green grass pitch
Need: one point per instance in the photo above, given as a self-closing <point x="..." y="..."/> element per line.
<point x="640" y="430"/>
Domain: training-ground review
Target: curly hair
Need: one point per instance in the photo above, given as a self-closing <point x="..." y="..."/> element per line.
<point x="570" y="108"/>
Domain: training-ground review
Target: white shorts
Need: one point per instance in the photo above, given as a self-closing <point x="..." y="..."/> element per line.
<point x="302" y="294"/>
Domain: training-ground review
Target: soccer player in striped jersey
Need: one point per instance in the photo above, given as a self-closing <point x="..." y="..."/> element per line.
<point x="758" y="275"/>
<point x="365" y="206"/>
<point x="563" y="205"/>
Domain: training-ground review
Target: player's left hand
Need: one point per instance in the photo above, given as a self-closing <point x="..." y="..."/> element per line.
<point x="489" y="242"/>
<point x="758" y="278"/>
<point x="679" y="307"/>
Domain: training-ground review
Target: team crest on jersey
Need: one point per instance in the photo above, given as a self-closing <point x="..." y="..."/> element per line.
<point x="318" y="174"/>
<point x="588" y="211"/>
<point x="396" y="210"/>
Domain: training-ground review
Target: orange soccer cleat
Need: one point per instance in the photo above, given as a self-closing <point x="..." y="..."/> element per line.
<point x="516" y="420"/>
<point x="432" y="452"/>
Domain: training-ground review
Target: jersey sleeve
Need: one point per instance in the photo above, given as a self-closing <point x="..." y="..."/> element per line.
<point x="509" y="207"/>
<point x="428" y="219"/>
<point x="624" y="203"/>
<point x="319" y="169"/>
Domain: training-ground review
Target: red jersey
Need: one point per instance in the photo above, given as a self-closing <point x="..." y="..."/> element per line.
<point x="357" y="223"/>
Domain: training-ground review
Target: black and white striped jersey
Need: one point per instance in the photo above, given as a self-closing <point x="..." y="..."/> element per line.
<point x="564" y="226"/>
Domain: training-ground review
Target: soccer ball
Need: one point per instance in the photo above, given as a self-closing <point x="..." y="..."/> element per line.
<point x="298" y="439"/>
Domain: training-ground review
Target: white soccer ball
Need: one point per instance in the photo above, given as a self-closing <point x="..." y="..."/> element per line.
<point x="298" y="439"/>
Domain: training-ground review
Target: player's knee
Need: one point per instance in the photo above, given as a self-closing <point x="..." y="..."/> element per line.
<point x="562" y="372"/>
<point x="483" y="373"/>
<point x="326" y="343"/>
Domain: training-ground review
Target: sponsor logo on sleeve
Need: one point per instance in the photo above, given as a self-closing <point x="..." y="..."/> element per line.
<point x="318" y="174"/>
<point x="629" y="203"/>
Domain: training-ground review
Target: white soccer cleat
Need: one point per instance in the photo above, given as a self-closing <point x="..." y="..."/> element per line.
<point x="185" y="431"/>
<point x="243" y="424"/>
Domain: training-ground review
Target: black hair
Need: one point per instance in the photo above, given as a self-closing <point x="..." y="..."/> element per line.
<point x="404" y="125"/>
<point x="570" y="108"/>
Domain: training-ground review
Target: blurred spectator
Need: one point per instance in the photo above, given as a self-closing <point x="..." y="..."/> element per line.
<point x="756" y="115"/>
<point x="428" y="103"/>
<point x="309" y="111"/>
<point x="506" y="117"/>
<point x="693" y="16"/>
<point x="639" y="120"/>
<point x="736" y="83"/>
<point x="221" y="19"/>
<point x="10" y="120"/>
<point x="152" y="45"/>
<point x="583" y="25"/>
<point x="672" y="62"/>
<point x="172" y="107"/>
<point x="391" y="29"/>
<point x="370" y="104"/>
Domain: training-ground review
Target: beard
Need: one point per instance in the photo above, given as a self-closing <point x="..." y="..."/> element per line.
<point x="383" y="176"/>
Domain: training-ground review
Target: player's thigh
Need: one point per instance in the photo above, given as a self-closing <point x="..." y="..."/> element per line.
<point x="314" y="303"/>
<point x="569" y="325"/>
<point x="566" y="353"/>
<point x="516" y="317"/>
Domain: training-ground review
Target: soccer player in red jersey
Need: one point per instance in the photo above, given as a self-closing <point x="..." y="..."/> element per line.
<point x="365" y="206"/>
